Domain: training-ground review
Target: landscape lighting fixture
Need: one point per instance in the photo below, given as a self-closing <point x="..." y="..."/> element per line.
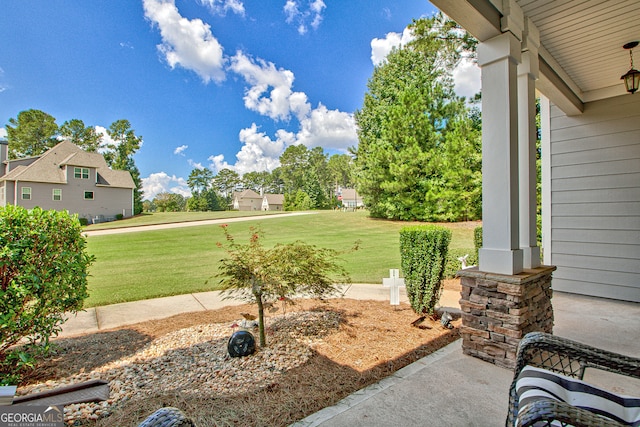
<point x="632" y="78"/>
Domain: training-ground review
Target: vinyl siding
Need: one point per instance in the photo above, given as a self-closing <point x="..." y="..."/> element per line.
<point x="595" y="199"/>
<point x="107" y="202"/>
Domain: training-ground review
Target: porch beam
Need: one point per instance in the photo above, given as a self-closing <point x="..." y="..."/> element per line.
<point x="498" y="59"/>
<point x="479" y="17"/>
<point x="557" y="90"/>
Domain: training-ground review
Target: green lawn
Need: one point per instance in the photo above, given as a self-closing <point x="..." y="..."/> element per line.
<point x="149" y="264"/>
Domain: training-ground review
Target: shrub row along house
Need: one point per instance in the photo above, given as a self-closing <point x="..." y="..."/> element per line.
<point x="66" y="178"/>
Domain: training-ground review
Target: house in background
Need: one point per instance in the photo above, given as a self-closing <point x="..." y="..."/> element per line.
<point x="350" y="198"/>
<point x="66" y="178"/>
<point x="247" y="200"/>
<point x="273" y="202"/>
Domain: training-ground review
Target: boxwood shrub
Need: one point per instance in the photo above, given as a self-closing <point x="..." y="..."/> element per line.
<point x="423" y="255"/>
<point x="477" y="240"/>
<point x="43" y="274"/>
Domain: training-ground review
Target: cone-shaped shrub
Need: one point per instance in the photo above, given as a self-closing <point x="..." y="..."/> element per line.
<point x="423" y="255"/>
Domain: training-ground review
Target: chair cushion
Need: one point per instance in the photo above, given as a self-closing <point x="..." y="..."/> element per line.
<point x="535" y="383"/>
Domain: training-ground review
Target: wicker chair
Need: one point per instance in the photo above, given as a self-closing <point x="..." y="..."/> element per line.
<point x="568" y="358"/>
<point x="167" y="417"/>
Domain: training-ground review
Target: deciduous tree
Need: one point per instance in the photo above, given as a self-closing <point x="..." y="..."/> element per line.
<point x="32" y="133"/>
<point x="169" y="202"/>
<point x="119" y="155"/>
<point x="265" y="275"/>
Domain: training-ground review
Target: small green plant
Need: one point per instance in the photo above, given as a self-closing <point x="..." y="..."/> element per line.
<point x="43" y="275"/>
<point x="423" y="255"/>
<point x="119" y="217"/>
<point x="477" y="239"/>
<point x="267" y="275"/>
<point x="83" y="221"/>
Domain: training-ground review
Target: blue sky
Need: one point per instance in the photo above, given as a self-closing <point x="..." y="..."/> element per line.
<point x="206" y="83"/>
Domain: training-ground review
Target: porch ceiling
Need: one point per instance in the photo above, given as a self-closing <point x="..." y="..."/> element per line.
<point x="581" y="41"/>
<point x="585" y="38"/>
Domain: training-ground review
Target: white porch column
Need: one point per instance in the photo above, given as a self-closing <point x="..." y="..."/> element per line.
<point x="498" y="58"/>
<point x="527" y="75"/>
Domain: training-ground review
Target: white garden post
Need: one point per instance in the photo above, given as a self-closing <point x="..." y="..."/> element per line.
<point x="393" y="282"/>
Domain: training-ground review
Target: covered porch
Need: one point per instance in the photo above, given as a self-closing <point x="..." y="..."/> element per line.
<point x="584" y="282"/>
<point x="571" y="55"/>
<point x="450" y="388"/>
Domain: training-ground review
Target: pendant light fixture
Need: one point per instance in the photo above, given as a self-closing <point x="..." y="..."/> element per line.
<point x="632" y="77"/>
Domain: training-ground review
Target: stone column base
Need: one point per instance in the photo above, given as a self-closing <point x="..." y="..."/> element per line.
<point x="498" y="310"/>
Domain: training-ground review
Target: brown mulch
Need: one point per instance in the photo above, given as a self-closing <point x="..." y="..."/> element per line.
<point x="373" y="341"/>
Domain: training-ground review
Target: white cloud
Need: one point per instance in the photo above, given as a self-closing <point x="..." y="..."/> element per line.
<point x="3" y="133"/>
<point x="328" y="129"/>
<point x="321" y="128"/>
<point x="190" y="44"/>
<point x="106" y="139"/>
<point x="380" y="48"/>
<point x="195" y="165"/>
<point x="180" y="150"/>
<point x="186" y="43"/>
<point x="160" y="182"/>
<point x="271" y="94"/>
<point x="221" y="7"/>
<point x="291" y="10"/>
<point x="218" y="163"/>
<point x="304" y="17"/>
<point x="259" y="152"/>
<point x="271" y="91"/>
<point x="466" y="78"/>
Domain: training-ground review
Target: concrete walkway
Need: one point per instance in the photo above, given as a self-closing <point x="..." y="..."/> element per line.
<point x="444" y="388"/>
<point x="113" y="316"/>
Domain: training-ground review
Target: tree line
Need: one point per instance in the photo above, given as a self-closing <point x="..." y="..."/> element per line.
<point x="308" y="178"/>
<point x="33" y="132"/>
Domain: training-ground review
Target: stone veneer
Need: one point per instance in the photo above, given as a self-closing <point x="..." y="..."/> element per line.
<point x="498" y="310"/>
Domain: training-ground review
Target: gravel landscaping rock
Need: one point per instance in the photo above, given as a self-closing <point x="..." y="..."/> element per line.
<point x="195" y="361"/>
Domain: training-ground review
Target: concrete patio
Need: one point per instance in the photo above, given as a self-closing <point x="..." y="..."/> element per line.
<point x="452" y="389"/>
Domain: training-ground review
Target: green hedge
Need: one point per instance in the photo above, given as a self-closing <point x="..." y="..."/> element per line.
<point x="477" y="240"/>
<point x="423" y="255"/>
<point x="43" y="276"/>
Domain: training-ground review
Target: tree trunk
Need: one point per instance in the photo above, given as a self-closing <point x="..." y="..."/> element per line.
<point x="263" y="340"/>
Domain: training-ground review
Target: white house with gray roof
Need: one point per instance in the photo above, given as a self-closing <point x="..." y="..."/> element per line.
<point x="66" y="178"/>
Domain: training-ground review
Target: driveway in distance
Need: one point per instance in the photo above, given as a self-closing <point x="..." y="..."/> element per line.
<point x="187" y="224"/>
